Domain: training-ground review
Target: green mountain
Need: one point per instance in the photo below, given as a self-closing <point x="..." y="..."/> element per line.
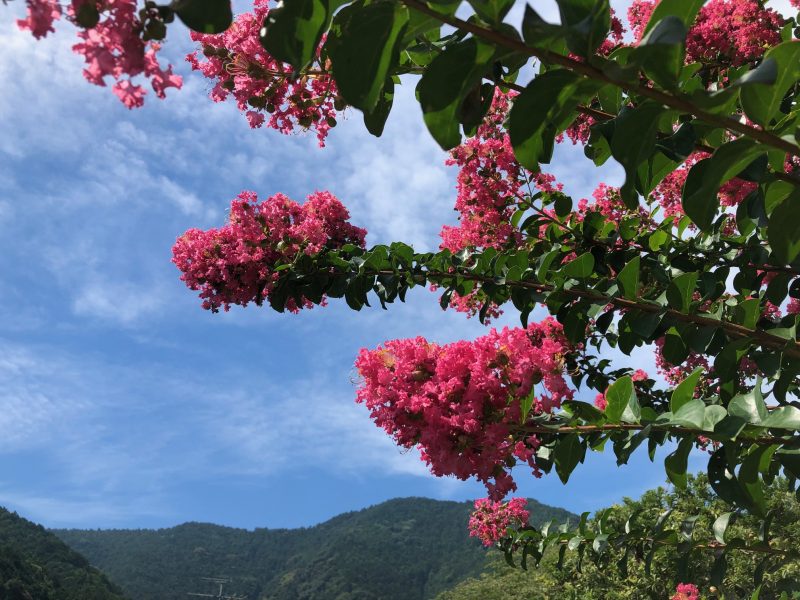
<point x="36" y="565"/>
<point x="403" y="549"/>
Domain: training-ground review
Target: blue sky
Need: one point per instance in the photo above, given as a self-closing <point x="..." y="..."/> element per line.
<point x="122" y="403"/>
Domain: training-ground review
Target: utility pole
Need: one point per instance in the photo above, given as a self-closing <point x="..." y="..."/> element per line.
<point x="221" y="581"/>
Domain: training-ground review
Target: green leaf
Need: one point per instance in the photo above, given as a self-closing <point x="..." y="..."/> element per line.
<point x="721" y="525"/>
<point x="762" y="103"/>
<point x="785" y="417"/>
<point x="677" y="463"/>
<point x="684" y="391"/>
<point x="364" y="50"/>
<point x="492" y="11"/>
<point x="525" y="404"/>
<point x="750" y="407"/>
<point x="568" y="452"/>
<point x="714" y="414"/>
<point x="676" y="347"/>
<point x="622" y="402"/>
<point x="661" y="51"/>
<point x="691" y="414"/>
<point x="375" y="120"/>
<point x="700" y="201"/>
<point x="540" y="34"/>
<point x="586" y="24"/>
<point x="680" y="291"/>
<point x="580" y="267"/>
<point x="446" y="82"/>
<point x="783" y="232"/>
<point x="726" y="364"/>
<point x="545" y="108"/>
<point x="563" y="205"/>
<point x="686" y="10"/>
<point x="292" y="33"/>
<point x="633" y="142"/>
<point x="756" y="462"/>
<point x="204" y="16"/>
<point x="628" y="278"/>
<point x="747" y="312"/>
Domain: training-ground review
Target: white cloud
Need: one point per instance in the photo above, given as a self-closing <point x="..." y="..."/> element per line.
<point x="118" y="301"/>
<point x="309" y="424"/>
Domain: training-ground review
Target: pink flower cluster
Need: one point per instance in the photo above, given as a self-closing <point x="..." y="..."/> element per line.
<point x="686" y="591"/>
<point x="726" y="32"/>
<point x="490" y="520"/>
<point x="41" y="16"/>
<point x="490" y="185"/>
<point x="236" y="263"/>
<point x="460" y="403"/>
<point x="114" y="47"/>
<point x="262" y="87"/>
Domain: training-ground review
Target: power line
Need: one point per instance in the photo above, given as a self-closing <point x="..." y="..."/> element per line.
<point x="221" y="581"/>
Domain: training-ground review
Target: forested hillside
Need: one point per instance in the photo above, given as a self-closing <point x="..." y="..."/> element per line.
<point x="36" y="565"/>
<point x="403" y="549"/>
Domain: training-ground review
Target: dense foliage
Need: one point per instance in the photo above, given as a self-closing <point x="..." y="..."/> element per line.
<point x="36" y="565"/>
<point x="405" y="549"/>
<point x="696" y="255"/>
<point x="657" y="580"/>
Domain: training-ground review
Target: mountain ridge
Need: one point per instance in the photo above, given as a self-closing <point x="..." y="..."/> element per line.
<point x="404" y="548"/>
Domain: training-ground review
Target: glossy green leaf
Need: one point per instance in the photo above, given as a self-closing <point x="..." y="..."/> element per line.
<point x="750" y="407"/>
<point x="628" y="278"/>
<point x="633" y="141"/>
<point x="580" y="267"/>
<point x="714" y="414"/>
<point x="785" y="417"/>
<point x="762" y="103"/>
<point x="292" y="32"/>
<point x="661" y="51"/>
<point x="375" y="119"/>
<point x="525" y="405"/>
<point x="783" y="231"/>
<point x="492" y="11"/>
<point x="545" y="108"/>
<point x="364" y="50"/>
<point x="677" y="462"/>
<point x="623" y="404"/>
<point x="540" y="34"/>
<point x="681" y="290"/>
<point x="586" y="24"/>
<point x="204" y="16"/>
<point x="445" y="83"/>
<point x="686" y="10"/>
<point x="691" y="414"/>
<point x="700" y="201"/>
<point x="721" y="525"/>
<point x="568" y="452"/>
<point x="684" y="391"/>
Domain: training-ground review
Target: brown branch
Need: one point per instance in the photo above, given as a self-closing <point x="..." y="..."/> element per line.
<point x="596" y="74"/>
<point x="600" y="115"/>
<point x="734" y="330"/>
<point x="612" y="427"/>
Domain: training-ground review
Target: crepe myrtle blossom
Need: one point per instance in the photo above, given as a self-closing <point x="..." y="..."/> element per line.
<point x="115" y="42"/>
<point x="490" y="521"/>
<point x="235" y="264"/>
<point x="460" y="403"/>
<point x="264" y="89"/>
<point x="686" y="591"/>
